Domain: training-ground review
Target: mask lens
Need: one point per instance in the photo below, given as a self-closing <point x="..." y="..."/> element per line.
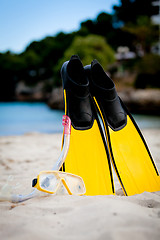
<point x="49" y="182"/>
<point x="74" y="183"/>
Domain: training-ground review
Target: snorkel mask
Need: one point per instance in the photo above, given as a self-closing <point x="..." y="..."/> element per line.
<point x="50" y="181"/>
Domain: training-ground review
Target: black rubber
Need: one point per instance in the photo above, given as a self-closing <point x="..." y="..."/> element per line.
<point x="103" y="88"/>
<point x="78" y="99"/>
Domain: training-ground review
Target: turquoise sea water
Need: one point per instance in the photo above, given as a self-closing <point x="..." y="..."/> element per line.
<point x="17" y="118"/>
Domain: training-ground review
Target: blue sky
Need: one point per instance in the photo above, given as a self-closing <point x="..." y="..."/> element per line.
<point x="22" y="21"/>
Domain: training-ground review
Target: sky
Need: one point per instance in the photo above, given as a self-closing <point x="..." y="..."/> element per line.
<point x="24" y="21"/>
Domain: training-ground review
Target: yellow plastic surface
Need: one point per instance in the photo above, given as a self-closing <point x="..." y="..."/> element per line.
<point x="87" y="158"/>
<point x="133" y="161"/>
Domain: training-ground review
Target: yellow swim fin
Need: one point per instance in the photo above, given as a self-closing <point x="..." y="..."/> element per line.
<point x="88" y="155"/>
<point x="129" y="153"/>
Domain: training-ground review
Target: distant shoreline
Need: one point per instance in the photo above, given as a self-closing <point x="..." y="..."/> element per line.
<point x="142" y="101"/>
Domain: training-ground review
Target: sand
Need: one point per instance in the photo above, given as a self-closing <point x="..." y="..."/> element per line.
<point x="71" y="217"/>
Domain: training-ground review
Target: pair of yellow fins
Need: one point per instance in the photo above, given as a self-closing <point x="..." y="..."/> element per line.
<point x="104" y="134"/>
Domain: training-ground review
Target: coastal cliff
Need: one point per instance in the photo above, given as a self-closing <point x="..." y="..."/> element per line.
<point x="144" y="101"/>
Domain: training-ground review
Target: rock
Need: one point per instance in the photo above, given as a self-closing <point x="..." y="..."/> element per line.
<point x="144" y="101"/>
<point x="30" y="93"/>
<point x="56" y="99"/>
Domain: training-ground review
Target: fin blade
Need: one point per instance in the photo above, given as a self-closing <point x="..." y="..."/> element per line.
<point x="87" y="158"/>
<point x="135" y="167"/>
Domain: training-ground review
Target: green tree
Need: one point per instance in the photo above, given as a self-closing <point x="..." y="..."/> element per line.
<point x="102" y="25"/>
<point x="87" y="48"/>
<point x="144" y="32"/>
<point x="11" y="67"/>
<point x="148" y="71"/>
<point x="129" y="10"/>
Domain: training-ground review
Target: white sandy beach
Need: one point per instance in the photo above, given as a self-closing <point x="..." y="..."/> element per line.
<point x="71" y="217"/>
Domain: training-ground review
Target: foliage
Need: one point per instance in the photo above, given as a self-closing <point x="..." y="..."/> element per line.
<point x="11" y="68"/>
<point x="144" y="31"/>
<point x="148" y="71"/>
<point x="130" y="10"/>
<point x="102" y="25"/>
<point x="88" y="48"/>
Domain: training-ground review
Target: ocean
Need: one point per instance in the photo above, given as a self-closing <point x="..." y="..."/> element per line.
<point x="17" y="118"/>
